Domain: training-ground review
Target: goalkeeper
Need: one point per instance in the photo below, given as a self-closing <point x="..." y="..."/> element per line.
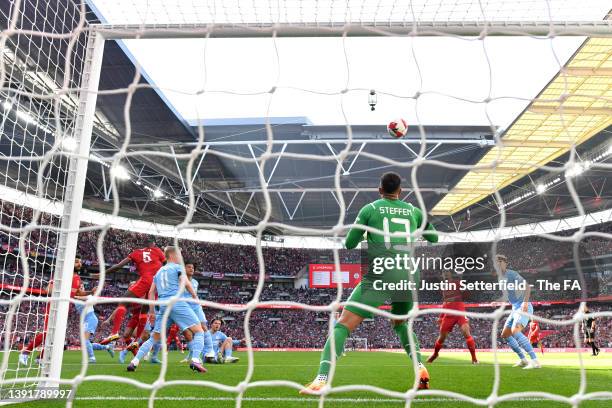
<point x="390" y="215"/>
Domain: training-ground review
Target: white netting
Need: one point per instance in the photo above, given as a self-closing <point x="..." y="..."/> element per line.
<point x="356" y="343"/>
<point x="35" y="132"/>
<point x="46" y="63"/>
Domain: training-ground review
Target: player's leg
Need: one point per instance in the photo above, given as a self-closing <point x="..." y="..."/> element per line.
<point x="131" y="334"/>
<point x="464" y="326"/>
<point x="89" y="347"/>
<point x="144" y="349"/>
<point x="128" y="333"/>
<point x="170" y="337"/>
<point x="190" y="325"/>
<point x="121" y="311"/>
<point x="351" y="317"/>
<point x="176" y="338"/>
<point x="587" y="339"/>
<point x="155" y="352"/>
<point x="188" y="334"/>
<point x="147" y="334"/>
<point x="593" y="345"/>
<point x="522" y="340"/>
<point x="220" y="354"/>
<point x="107" y="347"/>
<point x="137" y="325"/>
<point x="193" y="338"/>
<point x="90" y="327"/>
<point x="521" y="321"/>
<point x="154" y="339"/>
<point x="143" y="317"/>
<point x="39" y="338"/>
<point x="196" y="345"/>
<point x="349" y="321"/>
<point x="215" y="354"/>
<point x="446" y="325"/>
<point x="506" y="335"/>
<point x="228" y="348"/>
<point x="401" y="329"/>
<point x="208" y="344"/>
<point x="36" y="341"/>
<point x="538" y="344"/>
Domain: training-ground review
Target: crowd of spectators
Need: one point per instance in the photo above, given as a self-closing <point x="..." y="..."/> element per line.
<point x="309" y="329"/>
<point x="293" y="328"/>
<point x="530" y="255"/>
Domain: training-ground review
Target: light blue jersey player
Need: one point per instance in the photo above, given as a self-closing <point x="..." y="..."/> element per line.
<point x="90" y="325"/>
<point x="190" y="267"/>
<point x="167" y="285"/>
<point x="223" y="346"/>
<point x="516" y="322"/>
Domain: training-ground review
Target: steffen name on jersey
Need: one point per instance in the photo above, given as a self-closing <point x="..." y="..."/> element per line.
<point x="395" y="210"/>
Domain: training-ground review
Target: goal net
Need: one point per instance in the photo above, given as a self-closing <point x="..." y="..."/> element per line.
<point x="356" y="343"/>
<point x="53" y="138"/>
<point x="41" y="69"/>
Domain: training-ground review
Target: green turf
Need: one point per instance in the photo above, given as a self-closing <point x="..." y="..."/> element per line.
<point x="392" y="371"/>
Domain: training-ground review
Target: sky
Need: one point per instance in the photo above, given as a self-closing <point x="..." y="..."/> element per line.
<point x="231" y="78"/>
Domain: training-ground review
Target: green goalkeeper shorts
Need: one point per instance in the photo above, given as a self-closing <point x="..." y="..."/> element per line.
<point x="374" y="299"/>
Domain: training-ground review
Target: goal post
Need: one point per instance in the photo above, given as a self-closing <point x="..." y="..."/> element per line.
<point x="73" y="202"/>
<point x="357" y="343"/>
<point x="363" y="29"/>
<point x="72" y="199"/>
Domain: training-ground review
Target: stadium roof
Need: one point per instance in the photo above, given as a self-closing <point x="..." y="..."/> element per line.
<point x="301" y="191"/>
<point x="575" y="106"/>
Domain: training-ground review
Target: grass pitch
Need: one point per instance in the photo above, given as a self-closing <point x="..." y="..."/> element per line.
<point x="392" y="371"/>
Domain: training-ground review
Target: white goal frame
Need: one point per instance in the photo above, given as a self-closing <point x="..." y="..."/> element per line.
<point x="358" y="339"/>
<point x="98" y="34"/>
<point x="70" y="224"/>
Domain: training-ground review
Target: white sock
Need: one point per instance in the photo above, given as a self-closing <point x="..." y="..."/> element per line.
<point x="321" y="377"/>
<point x="135" y="361"/>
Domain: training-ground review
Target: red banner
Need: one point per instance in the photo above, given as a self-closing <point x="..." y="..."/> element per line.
<point x="481" y="350"/>
<point x="272" y="305"/>
<point x="15" y="288"/>
<point x="324" y="275"/>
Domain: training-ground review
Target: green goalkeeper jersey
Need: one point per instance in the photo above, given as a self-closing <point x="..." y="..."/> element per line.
<point x="389" y="216"/>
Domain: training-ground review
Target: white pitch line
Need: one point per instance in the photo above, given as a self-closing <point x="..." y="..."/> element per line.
<point x="297" y="399"/>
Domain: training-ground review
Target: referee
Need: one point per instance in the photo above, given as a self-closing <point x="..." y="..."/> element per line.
<point x="588" y="330"/>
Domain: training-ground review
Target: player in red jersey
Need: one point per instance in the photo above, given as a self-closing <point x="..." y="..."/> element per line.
<point x="173" y="336"/>
<point x="148" y="260"/>
<point x="39" y="338"/>
<point x="453" y="299"/>
<point x="133" y="330"/>
<point x="534" y="336"/>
